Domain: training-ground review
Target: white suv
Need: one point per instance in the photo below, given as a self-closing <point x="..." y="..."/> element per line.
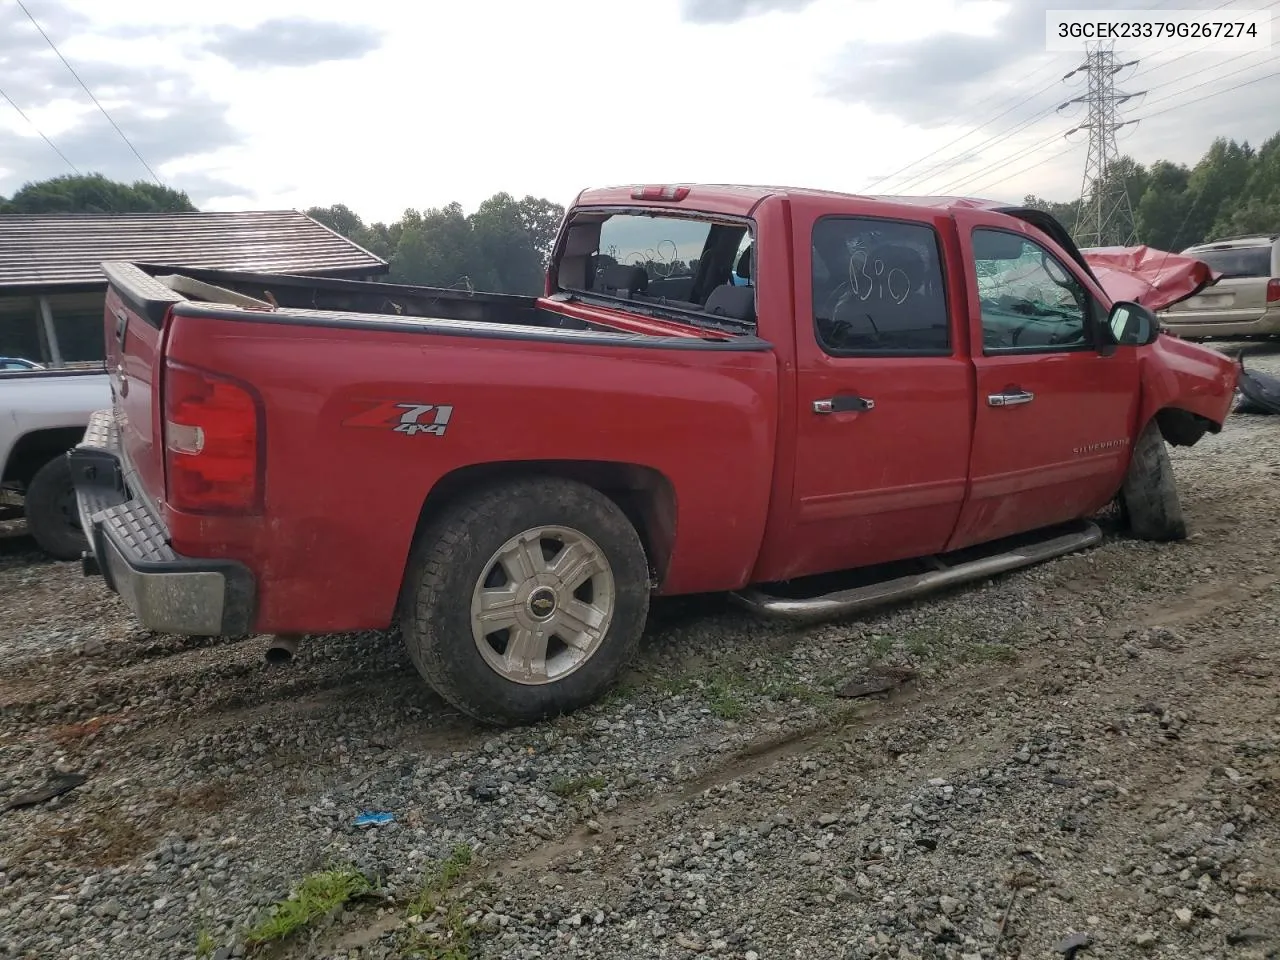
<point x="1245" y="302"/>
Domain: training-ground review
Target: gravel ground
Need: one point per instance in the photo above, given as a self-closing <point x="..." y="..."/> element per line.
<point x="1087" y="763"/>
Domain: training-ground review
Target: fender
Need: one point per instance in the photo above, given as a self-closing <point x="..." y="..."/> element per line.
<point x="1187" y="378"/>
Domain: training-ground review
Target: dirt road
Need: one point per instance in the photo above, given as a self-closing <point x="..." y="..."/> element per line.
<point x="1088" y="762"/>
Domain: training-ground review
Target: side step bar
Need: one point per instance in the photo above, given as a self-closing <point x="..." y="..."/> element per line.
<point x="844" y="602"/>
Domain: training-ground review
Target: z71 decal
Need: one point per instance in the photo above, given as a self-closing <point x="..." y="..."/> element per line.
<point x="410" y="418"/>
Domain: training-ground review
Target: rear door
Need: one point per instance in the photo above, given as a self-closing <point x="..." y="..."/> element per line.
<point x="884" y="403"/>
<point x="1055" y="417"/>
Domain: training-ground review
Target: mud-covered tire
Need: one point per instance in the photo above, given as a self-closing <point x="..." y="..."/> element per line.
<point x="49" y="505"/>
<point x="1149" y="495"/>
<point x="455" y="565"/>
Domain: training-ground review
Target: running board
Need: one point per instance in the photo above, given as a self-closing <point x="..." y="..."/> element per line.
<point x="844" y="602"/>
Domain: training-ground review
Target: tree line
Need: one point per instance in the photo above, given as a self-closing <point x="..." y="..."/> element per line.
<point x="1232" y="190"/>
<point x="504" y="244"/>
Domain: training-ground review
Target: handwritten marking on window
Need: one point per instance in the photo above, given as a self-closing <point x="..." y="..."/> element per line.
<point x="874" y="278"/>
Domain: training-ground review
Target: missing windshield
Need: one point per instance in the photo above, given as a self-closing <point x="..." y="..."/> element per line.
<point x="668" y="263"/>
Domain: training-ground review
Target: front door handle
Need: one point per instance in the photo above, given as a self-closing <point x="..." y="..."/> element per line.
<point x="1010" y="398"/>
<point x="843" y="403"/>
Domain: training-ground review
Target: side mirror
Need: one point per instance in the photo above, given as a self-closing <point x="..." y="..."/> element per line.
<point x="1132" y="324"/>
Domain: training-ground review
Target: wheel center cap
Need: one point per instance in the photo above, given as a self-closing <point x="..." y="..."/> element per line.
<point x="541" y="603"/>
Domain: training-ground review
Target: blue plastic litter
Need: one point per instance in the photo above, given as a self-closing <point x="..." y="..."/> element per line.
<point x="374" y="819"/>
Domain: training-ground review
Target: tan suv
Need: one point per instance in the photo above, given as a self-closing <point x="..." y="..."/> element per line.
<point x="1245" y="302"/>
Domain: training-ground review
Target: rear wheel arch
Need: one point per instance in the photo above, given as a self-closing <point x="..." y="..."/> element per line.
<point x="644" y="495"/>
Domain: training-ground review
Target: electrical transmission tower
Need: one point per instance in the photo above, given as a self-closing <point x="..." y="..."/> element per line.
<point x="1105" y="215"/>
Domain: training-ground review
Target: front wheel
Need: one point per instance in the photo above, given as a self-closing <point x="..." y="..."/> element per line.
<point x="526" y="600"/>
<point x="1149" y="496"/>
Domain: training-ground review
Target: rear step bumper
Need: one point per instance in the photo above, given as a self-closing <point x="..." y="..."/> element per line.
<point x="130" y="548"/>
<point x="845" y="602"/>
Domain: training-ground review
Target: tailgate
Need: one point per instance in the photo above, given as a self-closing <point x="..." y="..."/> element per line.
<point x="134" y="325"/>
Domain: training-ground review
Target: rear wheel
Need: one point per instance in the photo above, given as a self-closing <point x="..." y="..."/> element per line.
<point x="52" y="516"/>
<point x="1149" y="496"/>
<point x="526" y="600"/>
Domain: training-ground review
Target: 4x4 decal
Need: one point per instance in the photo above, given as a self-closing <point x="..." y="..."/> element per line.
<point x="404" y="418"/>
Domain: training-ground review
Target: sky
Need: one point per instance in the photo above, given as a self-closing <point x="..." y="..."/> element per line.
<point x="385" y="104"/>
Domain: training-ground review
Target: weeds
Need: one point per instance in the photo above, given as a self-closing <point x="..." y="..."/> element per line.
<point x="881" y="645"/>
<point x="992" y="653"/>
<point x="204" y="944"/>
<point x="443" y="933"/>
<point x="722" y="697"/>
<point x="319" y="895"/>
<point x="576" y="786"/>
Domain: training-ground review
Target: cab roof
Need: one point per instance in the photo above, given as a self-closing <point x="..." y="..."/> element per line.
<point x="740" y="199"/>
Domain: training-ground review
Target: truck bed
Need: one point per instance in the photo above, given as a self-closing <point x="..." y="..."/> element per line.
<point x="478" y="383"/>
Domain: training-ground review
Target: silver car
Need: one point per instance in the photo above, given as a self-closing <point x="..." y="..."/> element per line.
<point x="1244" y="303"/>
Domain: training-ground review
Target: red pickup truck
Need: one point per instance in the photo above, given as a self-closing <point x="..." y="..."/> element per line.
<point x="722" y="389"/>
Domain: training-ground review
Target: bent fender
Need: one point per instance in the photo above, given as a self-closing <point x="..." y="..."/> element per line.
<point x="1186" y="376"/>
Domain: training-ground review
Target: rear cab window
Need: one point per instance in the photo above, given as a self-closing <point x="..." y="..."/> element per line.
<point x="695" y="268"/>
<point x="879" y="288"/>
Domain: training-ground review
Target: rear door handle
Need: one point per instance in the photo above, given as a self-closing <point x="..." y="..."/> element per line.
<point x="1010" y="398"/>
<point x="122" y="325"/>
<point x="843" y="403"/>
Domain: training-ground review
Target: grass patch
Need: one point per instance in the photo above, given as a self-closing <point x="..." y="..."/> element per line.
<point x="881" y="645"/>
<point x="576" y="786"/>
<point x="440" y="930"/>
<point x="921" y="643"/>
<point x="992" y="653"/>
<point x="728" y="688"/>
<point x="204" y="944"/>
<point x="319" y="895"/>
<point x="722" y="697"/>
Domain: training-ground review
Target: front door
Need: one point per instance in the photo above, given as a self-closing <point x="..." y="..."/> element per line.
<point x="884" y="393"/>
<point x="1054" y="416"/>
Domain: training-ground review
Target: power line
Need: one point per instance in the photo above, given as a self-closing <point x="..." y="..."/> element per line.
<point x="984" y="178"/>
<point x="951" y="143"/>
<point x="965" y="179"/>
<point x="989" y="142"/>
<point x="52" y="46"/>
<point x="1039" y="162"/>
<point x="1209" y="96"/>
<point x="1203" y="83"/>
<point x="1189" y="53"/>
<point x="917" y="178"/>
<point x="52" y="146"/>
<point x="992" y="140"/>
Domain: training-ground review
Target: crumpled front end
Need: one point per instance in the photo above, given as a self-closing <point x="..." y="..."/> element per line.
<point x="1157" y="279"/>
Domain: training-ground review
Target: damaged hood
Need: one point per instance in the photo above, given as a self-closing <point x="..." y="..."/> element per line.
<point x="1154" y="278"/>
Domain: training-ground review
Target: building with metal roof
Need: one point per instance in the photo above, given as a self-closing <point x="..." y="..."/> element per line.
<point x="52" y="285"/>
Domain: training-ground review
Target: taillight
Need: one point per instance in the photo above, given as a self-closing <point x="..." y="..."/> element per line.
<point x="1273" y="291"/>
<point x="212" y="441"/>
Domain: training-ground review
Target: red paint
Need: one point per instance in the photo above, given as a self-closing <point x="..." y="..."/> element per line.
<point x="762" y="487"/>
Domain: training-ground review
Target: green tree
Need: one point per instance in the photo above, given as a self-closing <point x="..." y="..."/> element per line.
<point x="437" y="248"/>
<point x="94" y="193"/>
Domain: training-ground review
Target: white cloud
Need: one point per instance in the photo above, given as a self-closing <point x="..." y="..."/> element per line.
<point x="416" y="105"/>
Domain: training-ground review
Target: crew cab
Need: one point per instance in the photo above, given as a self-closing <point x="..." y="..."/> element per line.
<point x="809" y="400"/>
